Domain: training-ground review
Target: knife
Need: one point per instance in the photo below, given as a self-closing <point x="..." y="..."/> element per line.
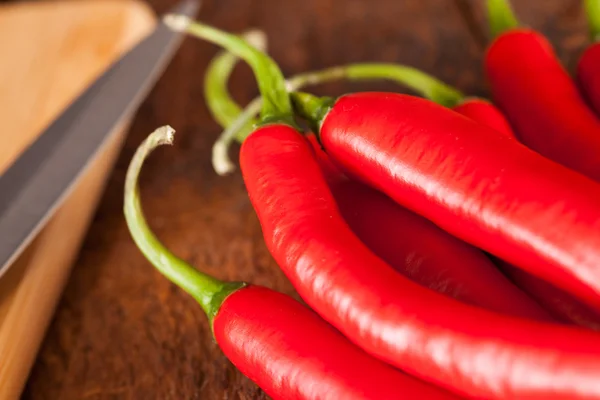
<point x="35" y="185"/>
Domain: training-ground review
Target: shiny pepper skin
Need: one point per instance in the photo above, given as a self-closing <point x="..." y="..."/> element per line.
<point x="456" y="346"/>
<point x="561" y="304"/>
<point x="418" y="249"/>
<point x="486" y="189"/>
<point x="292" y="354"/>
<point x="542" y="102"/>
<point x="485" y="113"/>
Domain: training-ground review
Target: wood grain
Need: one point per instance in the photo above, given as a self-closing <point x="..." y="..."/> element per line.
<point x="56" y="50"/>
<point x="121" y="330"/>
<point x="32" y="287"/>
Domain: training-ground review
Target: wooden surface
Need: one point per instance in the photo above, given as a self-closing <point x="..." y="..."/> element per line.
<point x="121" y="330"/>
<point x="53" y="50"/>
<point x="56" y="51"/>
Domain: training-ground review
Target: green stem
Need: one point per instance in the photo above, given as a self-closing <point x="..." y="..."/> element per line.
<point x="271" y="83"/>
<point x="422" y="83"/>
<point x="317" y="77"/>
<point x="236" y="123"/>
<point x="501" y="17"/>
<point x="209" y="292"/>
<point x="220" y="158"/>
<point x="428" y="86"/>
<point x="592" y="10"/>
<point x="312" y="108"/>
<point x="220" y="103"/>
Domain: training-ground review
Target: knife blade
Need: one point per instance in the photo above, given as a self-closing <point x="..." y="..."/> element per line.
<point x="45" y="173"/>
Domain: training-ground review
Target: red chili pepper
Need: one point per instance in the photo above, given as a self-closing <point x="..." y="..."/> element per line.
<point x="281" y="345"/>
<point x="293" y="354"/>
<point x="431" y="257"/>
<point x="409" y="243"/>
<point x="485" y="113"/>
<point x="421" y="251"/>
<point x="463" y="348"/>
<point x="538" y="96"/>
<point x="560" y="303"/>
<point x="589" y="63"/>
<point x="483" y="188"/>
<point x="412" y="245"/>
<point x="376" y="226"/>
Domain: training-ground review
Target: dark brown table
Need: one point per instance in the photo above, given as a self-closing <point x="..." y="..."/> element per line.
<point x="122" y="331"/>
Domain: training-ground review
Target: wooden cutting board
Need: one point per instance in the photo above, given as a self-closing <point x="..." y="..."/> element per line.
<point x="50" y="52"/>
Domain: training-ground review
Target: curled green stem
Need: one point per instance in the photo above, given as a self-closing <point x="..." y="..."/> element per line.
<point x="592" y="10"/>
<point x="422" y="83"/>
<point x="425" y="84"/>
<point x="220" y="104"/>
<point x="501" y="17"/>
<point x="208" y="291"/>
<point x="235" y="129"/>
<point x="271" y="83"/>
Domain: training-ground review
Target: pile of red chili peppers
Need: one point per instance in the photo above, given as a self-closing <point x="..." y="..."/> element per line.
<point x="445" y="246"/>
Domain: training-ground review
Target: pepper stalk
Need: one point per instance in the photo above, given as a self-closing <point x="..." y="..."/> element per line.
<point x="312" y="108"/>
<point x="236" y="125"/>
<point x="276" y="106"/>
<point x="501" y="17"/>
<point x="215" y="84"/>
<point x="209" y="292"/>
<point x="592" y="11"/>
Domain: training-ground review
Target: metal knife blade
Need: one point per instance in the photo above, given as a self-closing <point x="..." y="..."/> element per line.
<point x="38" y="181"/>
